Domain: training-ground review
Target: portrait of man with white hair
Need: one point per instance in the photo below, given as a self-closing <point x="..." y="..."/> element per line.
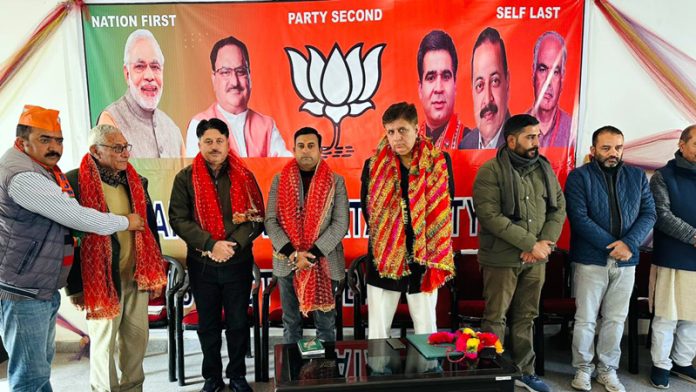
<point x="136" y="113"/>
<point x="548" y="72"/>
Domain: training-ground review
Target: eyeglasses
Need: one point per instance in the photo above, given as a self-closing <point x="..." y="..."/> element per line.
<point x="226" y="73"/>
<point x="118" y="148"/>
<point x="141" y="67"/>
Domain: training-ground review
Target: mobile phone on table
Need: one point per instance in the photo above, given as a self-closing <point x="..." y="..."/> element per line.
<point x="396" y="344"/>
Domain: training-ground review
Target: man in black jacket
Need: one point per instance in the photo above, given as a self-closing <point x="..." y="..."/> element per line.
<point x="217" y="209"/>
<point x="403" y="227"/>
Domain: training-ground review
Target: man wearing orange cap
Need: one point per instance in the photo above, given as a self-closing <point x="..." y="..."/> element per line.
<point x="37" y="211"/>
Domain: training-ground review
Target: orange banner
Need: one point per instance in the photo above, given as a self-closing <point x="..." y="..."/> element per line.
<point x="336" y="66"/>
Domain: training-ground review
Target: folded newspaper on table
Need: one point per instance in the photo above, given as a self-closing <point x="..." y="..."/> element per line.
<point x="311" y="348"/>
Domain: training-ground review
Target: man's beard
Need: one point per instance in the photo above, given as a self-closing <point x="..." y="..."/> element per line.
<point x="609" y="164"/>
<point x="146" y="103"/>
<point x="525" y="153"/>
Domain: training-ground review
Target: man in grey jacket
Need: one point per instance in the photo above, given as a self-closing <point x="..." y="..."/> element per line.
<point x="307" y="218"/>
<point x="37" y="209"/>
<point x="674" y="266"/>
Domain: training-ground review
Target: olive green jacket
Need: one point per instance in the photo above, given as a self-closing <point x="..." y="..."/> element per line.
<point x="501" y="239"/>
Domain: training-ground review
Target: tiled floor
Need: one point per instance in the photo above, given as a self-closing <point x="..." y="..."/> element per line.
<point x="73" y="376"/>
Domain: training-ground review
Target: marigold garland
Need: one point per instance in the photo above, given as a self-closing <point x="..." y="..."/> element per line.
<point x="466" y="341"/>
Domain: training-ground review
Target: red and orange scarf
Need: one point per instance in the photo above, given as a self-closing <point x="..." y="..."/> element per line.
<point x="247" y="203"/>
<point x="431" y="215"/>
<point x="301" y="224"/>
<point x="101" y="298"/>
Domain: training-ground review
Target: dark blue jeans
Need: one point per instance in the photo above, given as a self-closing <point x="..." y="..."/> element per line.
<point x="28" y="329"/>
<point x="292" y="318"/>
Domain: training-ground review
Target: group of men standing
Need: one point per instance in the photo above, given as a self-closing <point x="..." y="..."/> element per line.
<point x="93" y="229"/>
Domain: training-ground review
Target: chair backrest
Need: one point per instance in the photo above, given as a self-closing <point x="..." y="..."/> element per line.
<point x="256" y="285"/>
<point x="357" y="276"/>
<point x="558" y="276"/>
<point x="469" y="280"/>
<point x="642" y="282"/>
<point x="175" y="275"/>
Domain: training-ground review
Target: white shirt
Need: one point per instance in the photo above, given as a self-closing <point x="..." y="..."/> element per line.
<point x="42" y="196"/>
<point x="236" y="123"/>
<point x="492" y="143"/>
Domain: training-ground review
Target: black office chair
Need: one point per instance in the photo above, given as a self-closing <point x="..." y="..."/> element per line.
<point x="557" y="305"/>
<point x="175" y="281"/>
<point x="357" y="282"/>
<point x="639" y="308"/>
<point x="467" y="292"/>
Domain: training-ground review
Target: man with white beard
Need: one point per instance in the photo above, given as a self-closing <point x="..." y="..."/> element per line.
<point x="136" y="113"/>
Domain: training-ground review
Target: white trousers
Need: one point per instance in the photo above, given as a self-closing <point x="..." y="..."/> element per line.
<point x="382" y="305"/>
<point x="677" y="338"/>
<point x="120" y="343"/>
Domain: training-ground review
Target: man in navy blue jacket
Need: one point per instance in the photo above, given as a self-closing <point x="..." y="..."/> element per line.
<point x="674" y="266"/>
<point x="611" y="211"/>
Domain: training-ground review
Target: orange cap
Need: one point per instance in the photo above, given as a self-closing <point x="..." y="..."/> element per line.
<point x="38" y="117"/>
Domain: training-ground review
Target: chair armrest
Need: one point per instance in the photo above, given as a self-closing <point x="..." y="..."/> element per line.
<point x="257" y="280"/>
<point x="271" y="286"/>
<point x="352" y="284"/>
<point x="265" y="307"/>
<point x="340" y="288"/>
<point x="175" y="275"/>
<point x="184" y="288"/>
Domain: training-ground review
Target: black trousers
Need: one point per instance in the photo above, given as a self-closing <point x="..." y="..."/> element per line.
<point x="216" y="288"/>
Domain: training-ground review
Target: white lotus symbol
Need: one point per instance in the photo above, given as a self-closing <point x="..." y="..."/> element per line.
<point x="338" y="87"/>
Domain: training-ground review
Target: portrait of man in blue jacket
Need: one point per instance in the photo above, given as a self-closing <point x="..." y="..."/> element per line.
<point x="611" y="211"/>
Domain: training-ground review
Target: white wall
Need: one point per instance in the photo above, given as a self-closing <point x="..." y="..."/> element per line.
<point x="53" y="78"/>
<point x="616" y="88"/>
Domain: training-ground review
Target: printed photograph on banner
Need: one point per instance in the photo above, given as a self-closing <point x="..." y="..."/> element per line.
<point x="136" y="113"/>
<point x="437" y="90"/>
<point x="335" y="66"/>
<point x="490" y="89"/>
<point x="254" y="135"/>
<point x="548" y="71"/>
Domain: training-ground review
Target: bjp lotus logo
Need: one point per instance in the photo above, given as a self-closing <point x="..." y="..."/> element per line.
<point x="338" y="87"/>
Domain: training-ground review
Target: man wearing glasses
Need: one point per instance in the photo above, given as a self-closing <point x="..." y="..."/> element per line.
<point x="37" y="211"/>
<point x="136" y="113"/>
<point x="252" y="134"/>
<point x="113" y="276"/>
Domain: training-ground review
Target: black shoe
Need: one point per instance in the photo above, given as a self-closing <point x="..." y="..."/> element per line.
<point x="240" y="384"/>
<point x="213" y="385"/>
<point x="687" y="373"/>
<point x="659" y="378"/>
